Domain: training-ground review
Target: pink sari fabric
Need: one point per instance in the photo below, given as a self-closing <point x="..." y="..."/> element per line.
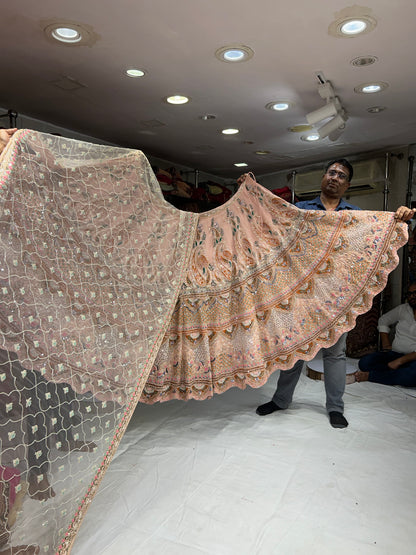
<point x="110" y="296"/>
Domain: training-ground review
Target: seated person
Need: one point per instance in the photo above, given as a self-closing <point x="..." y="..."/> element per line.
<point x="395" y="364"/>
<point x="31" y="404"/>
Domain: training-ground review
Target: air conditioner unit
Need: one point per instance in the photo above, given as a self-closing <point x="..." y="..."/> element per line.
<point x="368" y="177"/>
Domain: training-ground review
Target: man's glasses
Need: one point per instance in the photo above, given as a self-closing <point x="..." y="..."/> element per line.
<point x="333" y="173"/>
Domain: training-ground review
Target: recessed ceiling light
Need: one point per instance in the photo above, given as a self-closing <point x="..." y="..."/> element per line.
<point x="311" y="137"/>
<point x="363" y="61"/>
<point x="240" y="164"/>
<point x="230" y="131"/>
<point x="262" y="152"/>
<point x="352" y="25"/>
<point x="177" y="99"/>
<point x="207" y="117"/>
<point x="278" y="105"/>
<point x="134" y="72"/>
<point x="301" y="128"/>
<point x="376" y="109"/>
<point x="233" y="54"/>
<point x="68" y="33"/>
<point x="370" y="88"/>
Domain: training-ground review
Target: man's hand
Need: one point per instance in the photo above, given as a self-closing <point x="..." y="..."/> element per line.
<point x="246" y="178"/>
<point x="5" y="135"/>
<point x="403" y="213"/>
<point x="395" y="364"/>
<point x="241" y="179"/>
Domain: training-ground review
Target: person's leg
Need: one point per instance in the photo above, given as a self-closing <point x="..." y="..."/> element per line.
<point x="37" y="434"/>
<point x="283" y="395"/>
<point x="335" y="371"/>
<point x="62" y="412"/>
<point x="286" y="385"/>
<point x="404" y="376"/>
<point x="376" y="363"/>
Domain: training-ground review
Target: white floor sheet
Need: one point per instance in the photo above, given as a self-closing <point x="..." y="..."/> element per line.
<point x="214" y="478"/>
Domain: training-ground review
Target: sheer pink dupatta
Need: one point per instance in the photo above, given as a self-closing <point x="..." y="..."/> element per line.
<point x="92" y="259"/>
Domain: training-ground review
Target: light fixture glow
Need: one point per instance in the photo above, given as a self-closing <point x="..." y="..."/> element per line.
<point x="353" y="27"/>
<point x="230" y="131"/>
<point x="66" y="34"/>
<point x="278" y="106"/>
<point x="177" y="99"/>
<point x="311" y="137"/>
<point x="371" y="88"/>
<point x="235" y="53"/>
<point x="351" y="23"/>
<point x="69" y="33"/>
<point x="240" y="164"/>
<point x="262" y="152"/>
<point x="134" y="72"/>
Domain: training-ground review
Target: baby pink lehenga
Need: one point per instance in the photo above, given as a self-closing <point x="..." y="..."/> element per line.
<point x="110" y="296"/>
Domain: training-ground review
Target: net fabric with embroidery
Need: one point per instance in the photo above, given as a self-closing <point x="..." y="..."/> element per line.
<point x="91" y="261"/>
<point x="109" y="295"/>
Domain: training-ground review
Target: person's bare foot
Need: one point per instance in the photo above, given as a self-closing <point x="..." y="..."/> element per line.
<point x="78" y="445"/>
<point x="21" y="550"/>
<point x="40" y="489"/>
<point x="361" y="376"/>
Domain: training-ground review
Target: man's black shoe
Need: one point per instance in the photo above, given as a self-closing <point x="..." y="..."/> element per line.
<point x="337" y="420"/>
<point x="267" y="408"/>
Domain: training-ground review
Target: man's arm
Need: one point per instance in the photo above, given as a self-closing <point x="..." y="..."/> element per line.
<point x="397" y="362"/>
<point x="5" y="135"/>
<point x="389" y="319"/>
<point x="385" y="341"/>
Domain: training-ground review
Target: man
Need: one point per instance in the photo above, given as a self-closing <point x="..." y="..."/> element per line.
<point x="335" y="182"/>
<point x="395" y="364"/>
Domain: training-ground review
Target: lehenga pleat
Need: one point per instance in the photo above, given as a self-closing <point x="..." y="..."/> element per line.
<point x="269" y="284"/>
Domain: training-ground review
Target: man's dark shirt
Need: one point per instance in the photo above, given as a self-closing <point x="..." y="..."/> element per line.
<point x="316" y="204"/>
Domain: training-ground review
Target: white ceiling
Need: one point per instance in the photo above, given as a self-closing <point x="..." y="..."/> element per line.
<point x="175" y="42"/>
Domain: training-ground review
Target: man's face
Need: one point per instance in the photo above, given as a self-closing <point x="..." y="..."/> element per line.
<point x="335" y="181"/>
<point x="411" y="296"/>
